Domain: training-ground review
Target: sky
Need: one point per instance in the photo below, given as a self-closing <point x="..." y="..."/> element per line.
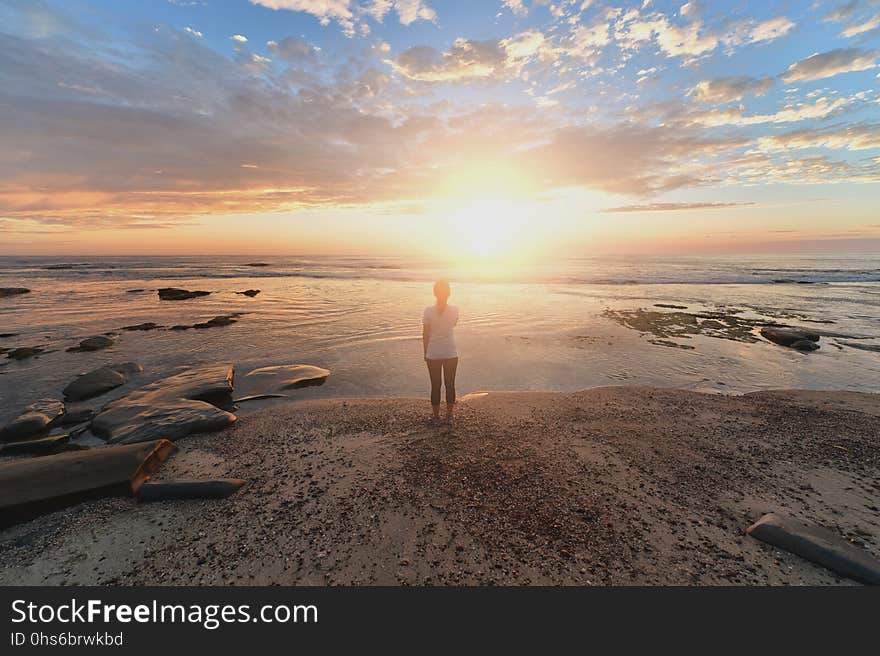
<point x="485" y="127"/>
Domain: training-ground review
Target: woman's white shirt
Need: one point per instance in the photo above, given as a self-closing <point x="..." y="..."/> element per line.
<point x="441" y="337"/>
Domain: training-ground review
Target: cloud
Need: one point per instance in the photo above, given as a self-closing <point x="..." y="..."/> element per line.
<point x="410" y="11"/>
<point x="727" y="89"/>
<point x="864" y="136"/>
<point x="842" y="12"/>
<point x="347" y="13"/>
<point x="239" y="38"/>
<point x="517" y="7"/>
<point x="292" y="49"/>
<point x="860" y="28"/>
<point x="675" y="207"/>
<point x="829" y="64"/>
<point x="324" y="10"/>
<point x="822" y="107"/>
<point x="195" y="33"/>
<point x="469" y="60"/>
<point x="628" y="159"/>
<point x="687" y="41"/>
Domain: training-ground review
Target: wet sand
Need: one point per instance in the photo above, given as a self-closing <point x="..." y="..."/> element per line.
<point x="619" y="485"/>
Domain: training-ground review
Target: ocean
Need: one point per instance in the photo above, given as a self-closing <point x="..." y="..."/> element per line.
<point x="568" y="324"/>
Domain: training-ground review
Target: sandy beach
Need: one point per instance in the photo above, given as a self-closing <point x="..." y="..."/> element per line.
<point x="615" y="485"/>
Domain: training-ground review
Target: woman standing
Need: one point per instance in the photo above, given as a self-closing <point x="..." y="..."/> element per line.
<point x="438" y="342"/>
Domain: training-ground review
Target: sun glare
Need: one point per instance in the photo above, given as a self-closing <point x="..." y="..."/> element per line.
<point x="489" y="227"/>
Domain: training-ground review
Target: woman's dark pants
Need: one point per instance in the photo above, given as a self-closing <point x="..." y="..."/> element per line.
<point x="447" y="367"/>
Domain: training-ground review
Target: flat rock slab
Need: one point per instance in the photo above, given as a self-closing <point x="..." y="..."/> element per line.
<point x="93" y="344"/>
<point x="100" y="380"/>
<point x="35" y="420"/>
<point x="289" y="376"/>
<point x="219" y="488"/>
<point x="170" y="408"/>
<point x="39" y="446"/>
<point x="819" y="545"/>
<point x="174" y="294"/>
<point x="34" y="486"/>
<point x="143" y="326"/>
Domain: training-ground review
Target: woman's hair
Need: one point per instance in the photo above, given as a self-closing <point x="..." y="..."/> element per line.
<point x="441" y="289"/>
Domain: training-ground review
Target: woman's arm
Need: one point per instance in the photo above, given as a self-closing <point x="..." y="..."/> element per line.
<point x="426" y="335"/>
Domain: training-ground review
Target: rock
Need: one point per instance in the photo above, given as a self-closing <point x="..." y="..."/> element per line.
<point x="174" y="294"/>
<point x="36" y="419"/>
<point x="134" y="291"/>
<point x="789" y="337"/>
<point x="34" y="486"/>
<point x="180" y="327"/>
<point x="290" y="376"/>
<point x="13" y="291"/>
<point x="24" y="352"/>
<point x="224" y="320"/>
<point x="100" y="381"/>
<point x="143" y="326"/>
<point x="73" y="416"/>
<point x="92" y="344"/>
<point x="211" y="489"/>
<point x="819" y="545"/>
<point x="670" y="306"/>
<point x="5" y="335"/>
<point x="170" y="408"/>
<point x="863" y="347"/>
<point x="805" y="345"/>
<point x="40" y="446"/>
<point x="257" y="264"/>
<point x="249" y="292"/>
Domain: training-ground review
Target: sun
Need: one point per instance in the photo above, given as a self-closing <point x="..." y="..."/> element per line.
<point x="489" y="227"/>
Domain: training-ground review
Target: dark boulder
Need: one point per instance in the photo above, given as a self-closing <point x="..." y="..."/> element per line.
<point x="100" y="381"/>
<point x="216" y="322"/>
<point x="36" y="419"/>
<point x="257" y="264"/>
<point x="92" y="344"/>
<point x="24" y="352"/>
<point x="249" y="292"/>
<point x="819" y="545"/>
<point x="789" y="337"/>
<point x="143" y="326"/>
<point x="174" y="294"/>
<point x="13" y="291"/>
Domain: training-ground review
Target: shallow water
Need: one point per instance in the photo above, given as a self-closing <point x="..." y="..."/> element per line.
<point x="541" y="328"/>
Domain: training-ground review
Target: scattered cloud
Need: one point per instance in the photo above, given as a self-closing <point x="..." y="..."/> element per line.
<point x="829" y="64"/>
<point x="864" y="136"/>
<point x="728" y="89"/>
